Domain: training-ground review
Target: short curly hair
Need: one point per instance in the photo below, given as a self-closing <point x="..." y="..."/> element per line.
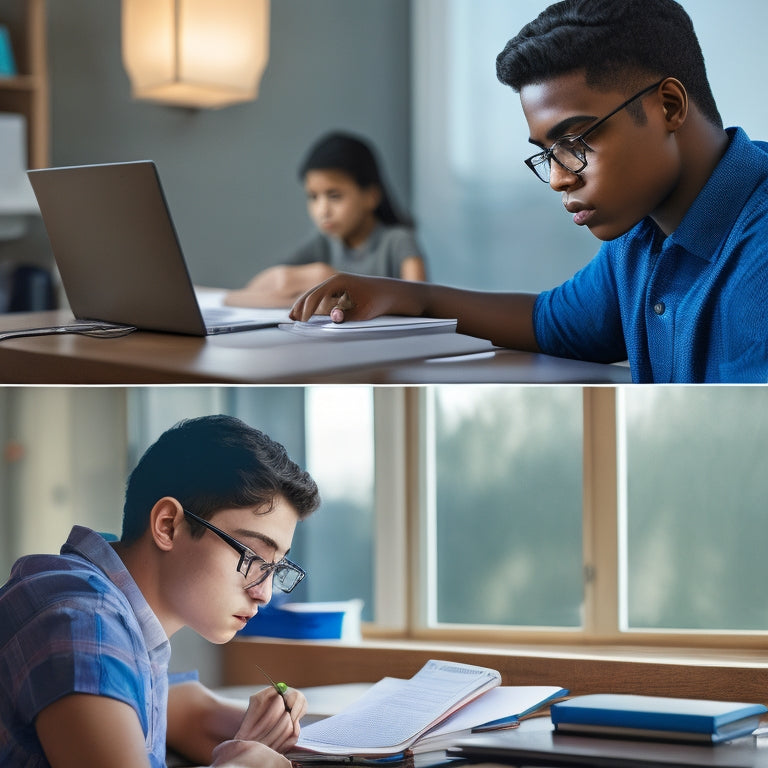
<point x="618" y="44"/>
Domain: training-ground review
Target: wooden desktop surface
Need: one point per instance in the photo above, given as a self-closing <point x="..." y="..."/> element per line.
<point x="721" y="675"/>
<point x="534" y="743"/>
<point x="274" y="356"/>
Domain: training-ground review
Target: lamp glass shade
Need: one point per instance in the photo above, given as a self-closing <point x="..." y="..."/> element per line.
<point x="195" y="53"/>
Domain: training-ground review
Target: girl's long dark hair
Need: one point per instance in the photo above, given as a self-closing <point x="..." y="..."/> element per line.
<point x="356" y="157"/>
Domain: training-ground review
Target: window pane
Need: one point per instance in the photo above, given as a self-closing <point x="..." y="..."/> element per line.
<point x="471" y="191"/>
<point x="507" y="499"/>
<point x="470" y="185"/>
<point x="695" y="493"/>
<point x="337" y="542"/>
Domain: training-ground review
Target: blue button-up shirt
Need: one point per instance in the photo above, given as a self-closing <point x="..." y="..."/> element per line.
<point x="691" y="307"/>
<point x="78" y="623"/>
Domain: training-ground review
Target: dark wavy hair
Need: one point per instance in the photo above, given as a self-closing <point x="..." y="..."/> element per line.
<point x="357" y="158"/>
<point x="621" y="44"/>
<point x="212" y="463"/>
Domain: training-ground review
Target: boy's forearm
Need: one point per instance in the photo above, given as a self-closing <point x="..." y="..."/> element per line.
<point x="506" y="319"/>
<point x="199" y="720"/>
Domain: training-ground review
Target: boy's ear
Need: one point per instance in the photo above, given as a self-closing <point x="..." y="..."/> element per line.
<point x="674" y="103"/>
<point x="166" y="516"/>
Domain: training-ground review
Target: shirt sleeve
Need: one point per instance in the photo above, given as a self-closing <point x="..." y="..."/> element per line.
<point x="581" y="318"/>
<point x="80" y="643"/>
<point x="402" y="245"/>
<point x="188" y="676"/>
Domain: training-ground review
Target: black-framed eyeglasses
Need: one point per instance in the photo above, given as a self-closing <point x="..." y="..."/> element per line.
<point x="570" y="152"/>
<point x="286" y="575"/>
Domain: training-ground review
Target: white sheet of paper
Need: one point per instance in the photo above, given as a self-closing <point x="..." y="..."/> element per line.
<point x="504" y="701"/>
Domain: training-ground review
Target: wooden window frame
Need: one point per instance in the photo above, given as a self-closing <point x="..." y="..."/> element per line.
<point x="402" y="426"/>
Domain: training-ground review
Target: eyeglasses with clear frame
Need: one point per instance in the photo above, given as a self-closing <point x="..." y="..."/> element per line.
<point x="570" y="152"/>
<point x="286" y="574"/>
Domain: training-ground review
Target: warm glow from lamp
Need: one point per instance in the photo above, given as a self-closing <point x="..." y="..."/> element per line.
<point x="195" y="53"/>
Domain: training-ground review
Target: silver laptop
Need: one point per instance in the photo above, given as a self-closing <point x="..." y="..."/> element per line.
<point x="118" y="254"/>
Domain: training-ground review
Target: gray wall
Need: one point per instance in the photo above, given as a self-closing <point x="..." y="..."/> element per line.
<point x="230" y="175"/>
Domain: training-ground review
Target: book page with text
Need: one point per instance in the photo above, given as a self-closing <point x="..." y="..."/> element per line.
<point x="394" y="712"/>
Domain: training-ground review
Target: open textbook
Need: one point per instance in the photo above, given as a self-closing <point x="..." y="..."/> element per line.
<point x="425" y="713"/>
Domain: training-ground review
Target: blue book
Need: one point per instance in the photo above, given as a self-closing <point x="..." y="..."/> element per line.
<point x="656" y="717"/>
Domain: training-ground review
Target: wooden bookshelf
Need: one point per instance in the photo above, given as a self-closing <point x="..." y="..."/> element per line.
<point x="27" y="93"/>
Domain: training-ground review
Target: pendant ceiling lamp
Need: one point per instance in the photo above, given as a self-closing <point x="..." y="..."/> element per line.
<point x="195" y="53"/>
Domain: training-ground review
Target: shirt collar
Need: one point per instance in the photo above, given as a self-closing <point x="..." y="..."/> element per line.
<point x="92" y="547"/>
<point x="716" y="208"/>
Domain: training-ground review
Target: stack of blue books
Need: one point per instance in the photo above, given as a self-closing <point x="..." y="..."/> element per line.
<point x="656" y="717"/>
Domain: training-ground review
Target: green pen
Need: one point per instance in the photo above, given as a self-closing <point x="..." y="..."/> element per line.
<point x="281" y="688"/>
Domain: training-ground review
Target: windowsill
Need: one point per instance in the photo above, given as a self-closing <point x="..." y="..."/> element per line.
<point x="604" y="651"/>
<point x="728" y="674"/>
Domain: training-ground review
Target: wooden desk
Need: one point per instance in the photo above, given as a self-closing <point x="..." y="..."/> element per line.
<point x="535" y="743"/>
<point x="716" y="675"/>
<point x="532" y="743"/>
<point x="274" y="356"/>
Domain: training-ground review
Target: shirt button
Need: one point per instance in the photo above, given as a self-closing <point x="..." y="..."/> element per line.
<point x="659" y="307"/>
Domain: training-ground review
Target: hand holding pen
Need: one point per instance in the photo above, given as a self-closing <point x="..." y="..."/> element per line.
<point x="273" y="716"/>
<point x="281" y="688"/>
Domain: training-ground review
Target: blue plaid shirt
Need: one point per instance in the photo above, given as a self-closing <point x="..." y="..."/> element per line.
<point x="691" y="307"/>
<point x="77" y="623"/>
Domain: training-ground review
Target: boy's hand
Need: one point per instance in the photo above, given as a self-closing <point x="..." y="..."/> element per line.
<point x="267" y="719"/>
<point x="354" y="297"/>
<point x="247" y="753"/>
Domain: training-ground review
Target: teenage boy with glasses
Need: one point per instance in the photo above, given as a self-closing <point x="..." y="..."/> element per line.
<point x="616" y="97"/>
<point x="84" y="645"/>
